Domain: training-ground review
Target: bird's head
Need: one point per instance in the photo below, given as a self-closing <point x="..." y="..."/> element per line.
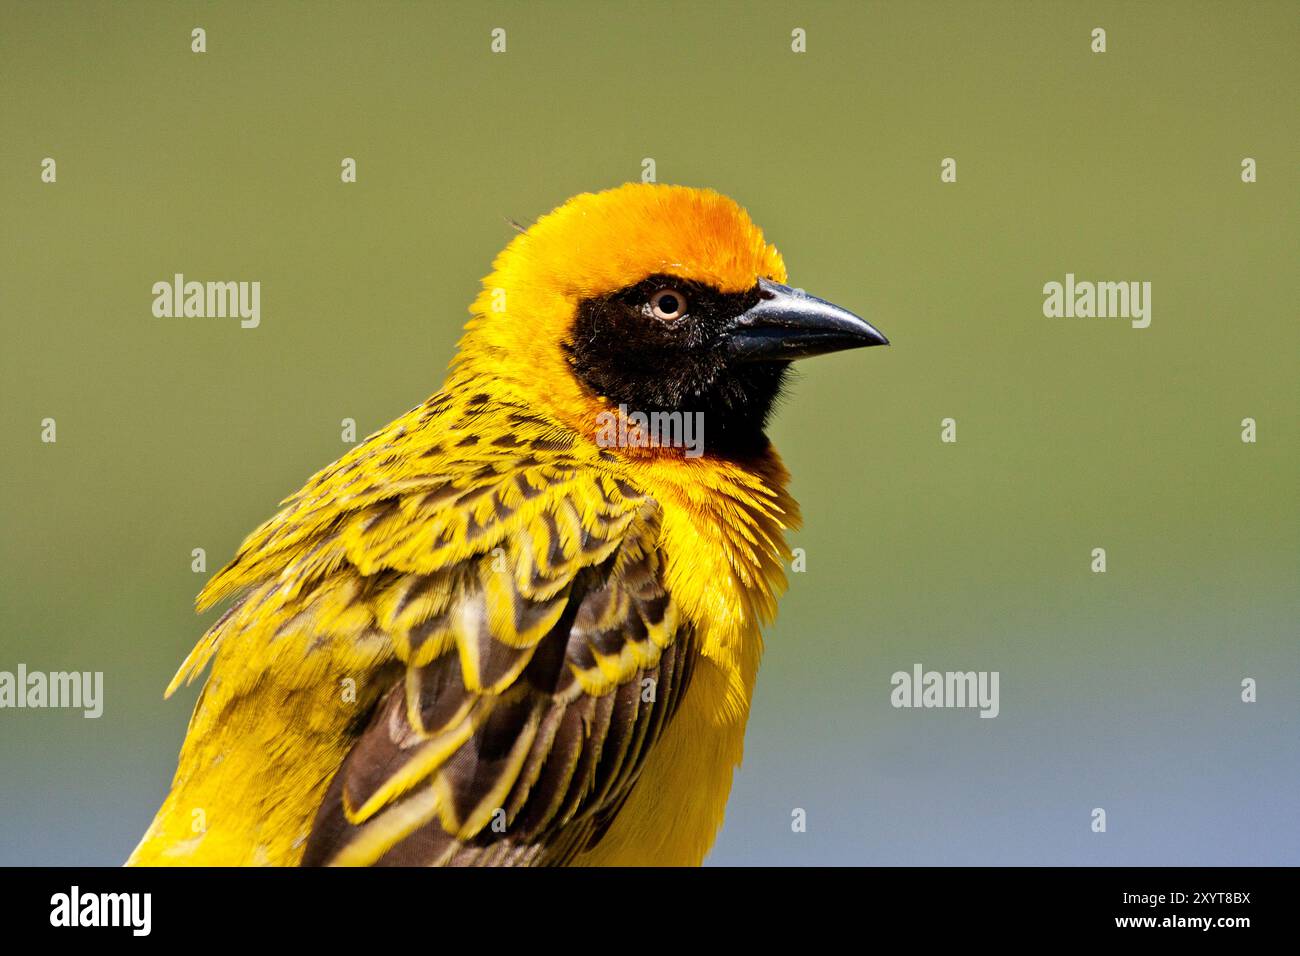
<point x="651" y="298"/>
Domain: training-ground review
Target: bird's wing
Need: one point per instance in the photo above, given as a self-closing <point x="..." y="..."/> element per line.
<point x="519" y="741"/>
<point x="539" y="656"/>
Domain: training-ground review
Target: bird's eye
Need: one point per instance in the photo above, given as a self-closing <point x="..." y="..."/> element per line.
<point x="668" y="304"/>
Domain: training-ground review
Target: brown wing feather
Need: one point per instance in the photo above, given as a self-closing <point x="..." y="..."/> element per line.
<point x="529" y="766"/>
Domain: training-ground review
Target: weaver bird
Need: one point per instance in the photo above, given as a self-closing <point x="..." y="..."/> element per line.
<point x="488" y="634"/>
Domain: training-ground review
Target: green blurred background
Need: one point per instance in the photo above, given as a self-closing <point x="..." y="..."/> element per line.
<point x="1118" y="691"/>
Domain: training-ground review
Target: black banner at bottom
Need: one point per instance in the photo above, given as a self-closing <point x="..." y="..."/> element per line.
<point x="506" y="907"/>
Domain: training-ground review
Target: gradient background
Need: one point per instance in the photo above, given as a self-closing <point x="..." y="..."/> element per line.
<point x="1118" y="691"/>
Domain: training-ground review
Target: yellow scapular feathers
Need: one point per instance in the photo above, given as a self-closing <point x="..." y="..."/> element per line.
<point x="481" y="637"/>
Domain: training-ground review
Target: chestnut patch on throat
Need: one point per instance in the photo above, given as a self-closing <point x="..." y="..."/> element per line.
<point x="622" y="352"/>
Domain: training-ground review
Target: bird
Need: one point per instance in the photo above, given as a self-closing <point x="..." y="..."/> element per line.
<point x="498" y="631"/>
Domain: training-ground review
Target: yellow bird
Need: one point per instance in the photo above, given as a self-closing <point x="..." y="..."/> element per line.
<point x="520" y="625"/>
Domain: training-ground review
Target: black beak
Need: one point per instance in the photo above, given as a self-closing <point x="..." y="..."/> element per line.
<point x="786" y="324"/>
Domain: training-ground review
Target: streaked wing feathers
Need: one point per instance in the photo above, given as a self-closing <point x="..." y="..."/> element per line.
<point x="516" y="752"/>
